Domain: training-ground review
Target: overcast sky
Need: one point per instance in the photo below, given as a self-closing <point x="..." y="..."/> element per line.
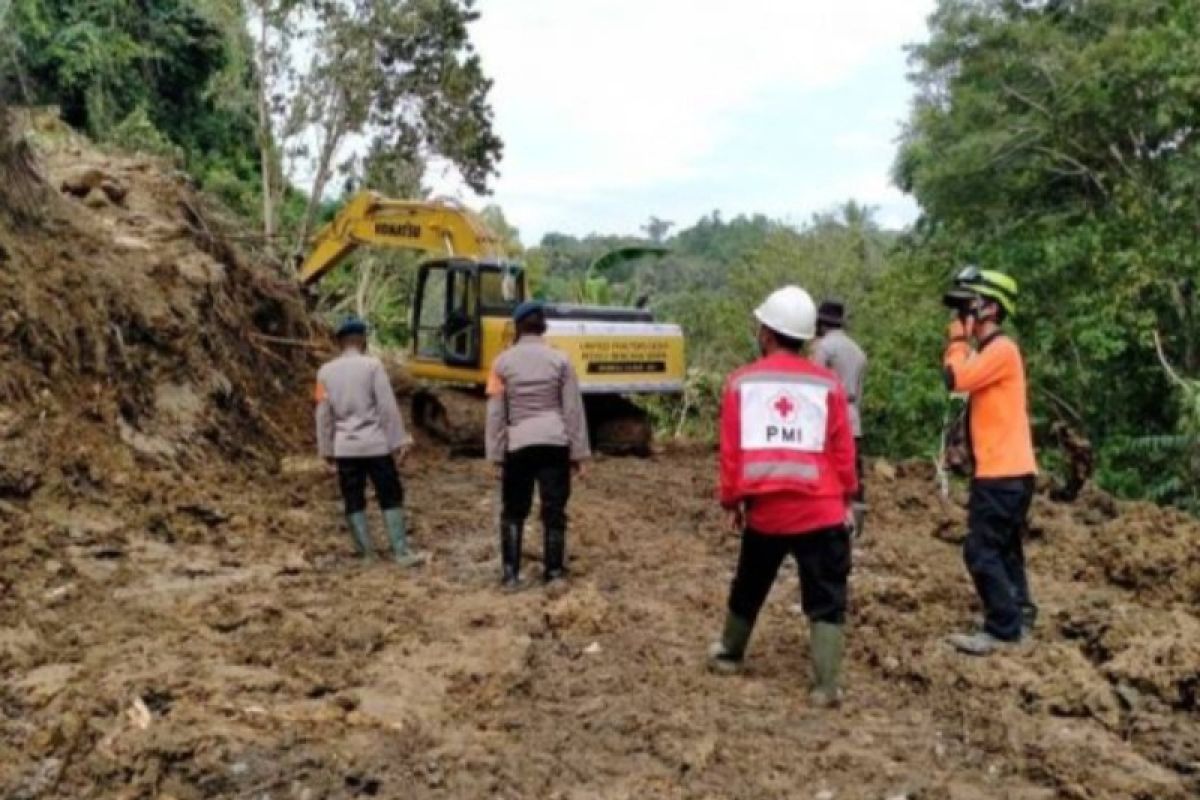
<point x="614" y="110"/>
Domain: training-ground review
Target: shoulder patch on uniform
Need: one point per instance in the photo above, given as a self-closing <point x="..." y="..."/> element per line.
<point x="319" y="393"/>
<point x="495" y="384"/>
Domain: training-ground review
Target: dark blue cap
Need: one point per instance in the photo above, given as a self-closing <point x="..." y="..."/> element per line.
<point x="528" y="309"/>
<point x="351" y="326"/>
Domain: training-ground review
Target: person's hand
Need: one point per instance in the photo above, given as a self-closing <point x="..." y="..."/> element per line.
<point x="331" y="464"/>
<point x="969" y="326"/>
<point x="736" y="518"/>
<point x="497" y="471"/>
<point x="579" y="469"/>
<point x="401" y="454"/>
<point x="851" y="523"/>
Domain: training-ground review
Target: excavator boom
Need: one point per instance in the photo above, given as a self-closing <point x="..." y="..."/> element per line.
<point x="435" y="226"/>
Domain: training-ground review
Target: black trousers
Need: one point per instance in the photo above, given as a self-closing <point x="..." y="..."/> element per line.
<point x="353" y="474"/>
<point x="549" y="469"/>
<point x="994" y="553"/>
<point x="823" y="558"/>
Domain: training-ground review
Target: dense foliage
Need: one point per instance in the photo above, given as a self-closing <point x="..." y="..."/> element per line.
<point x="1058" y="140"/>
<point x="718" y="270"/>
<point x="168" y="76"/>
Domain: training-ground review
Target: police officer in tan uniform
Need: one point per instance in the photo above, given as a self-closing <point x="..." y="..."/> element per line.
<point x="536" y="436"/>
<point x="360" y="432"/>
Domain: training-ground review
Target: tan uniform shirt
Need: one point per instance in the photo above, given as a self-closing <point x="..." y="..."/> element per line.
<point x="838" y="352"/>
<point x="534" y="399"/>
<point x="357" y="415"/>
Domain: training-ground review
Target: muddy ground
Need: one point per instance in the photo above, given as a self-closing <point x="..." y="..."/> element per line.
<point x="214" y="638"/>
<point x="181" y="616"/>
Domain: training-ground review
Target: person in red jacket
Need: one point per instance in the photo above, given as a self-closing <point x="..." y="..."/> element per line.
<point x="787" y="481"/>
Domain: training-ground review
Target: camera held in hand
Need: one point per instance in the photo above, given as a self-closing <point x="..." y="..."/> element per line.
<point x="963" y="299"/>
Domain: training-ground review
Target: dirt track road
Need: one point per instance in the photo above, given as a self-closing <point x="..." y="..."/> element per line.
<point x="215" y="640"/>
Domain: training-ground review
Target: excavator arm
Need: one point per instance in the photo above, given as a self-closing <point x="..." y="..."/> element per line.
<point x="433" y="226"/>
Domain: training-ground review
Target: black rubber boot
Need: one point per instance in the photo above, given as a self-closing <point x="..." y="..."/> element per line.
<point x="555" y="555"/>
<point x="510" y="553"/>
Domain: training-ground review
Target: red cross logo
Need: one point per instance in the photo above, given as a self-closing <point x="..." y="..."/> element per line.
<point x="784" y="407"/>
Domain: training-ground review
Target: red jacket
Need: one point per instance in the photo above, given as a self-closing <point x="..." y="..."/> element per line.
<point x="787" y="449"/>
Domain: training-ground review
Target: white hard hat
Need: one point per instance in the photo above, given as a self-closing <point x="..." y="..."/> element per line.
<point x="789" y="311"/>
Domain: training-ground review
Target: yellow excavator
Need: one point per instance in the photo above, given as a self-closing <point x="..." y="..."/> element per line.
<point x="461" y="322"/>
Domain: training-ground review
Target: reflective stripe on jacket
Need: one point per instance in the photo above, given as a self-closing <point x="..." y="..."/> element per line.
<point x="787" y="449"/>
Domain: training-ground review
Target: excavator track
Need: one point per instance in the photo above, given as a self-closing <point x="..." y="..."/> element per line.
<point x="458" y="419"/>
<point x="453" y="416"/>
<point x="617" y="426"/>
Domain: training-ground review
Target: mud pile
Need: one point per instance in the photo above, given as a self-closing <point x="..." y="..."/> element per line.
<point x="1106" y="703"/>
<point x="128" y="318"/>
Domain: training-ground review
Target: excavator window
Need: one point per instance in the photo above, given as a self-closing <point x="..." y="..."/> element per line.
<point x="491" y="289"/>
<point x="500" y="289"/>
<point x="448" y="313"/>
<point x="431" y="317"/>
<point x="461" y="329"/>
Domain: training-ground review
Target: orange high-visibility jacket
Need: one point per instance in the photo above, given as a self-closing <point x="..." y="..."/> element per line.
<point x="998" y="414"/>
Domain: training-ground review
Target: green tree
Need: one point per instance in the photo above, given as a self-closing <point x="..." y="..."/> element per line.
<point x="596" y="286"/>
<point x="273" y="26"/>
<point x="1057" y="141"/>
<point x="168" y="74"/>
<point x="656" y="229"/>
<point x="403" y="75"/>
<point x="717" y="273"/>
<point x="510" y="236"/>
<point x="377" y="285"/>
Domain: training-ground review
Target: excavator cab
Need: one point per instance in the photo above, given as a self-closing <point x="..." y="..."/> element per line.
<point x="460" y="317"/>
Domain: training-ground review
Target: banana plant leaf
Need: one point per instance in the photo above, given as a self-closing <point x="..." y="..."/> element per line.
<point x="622" y="254"/>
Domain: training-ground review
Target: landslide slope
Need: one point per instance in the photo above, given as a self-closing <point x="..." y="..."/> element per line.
<point x="133" y="334"/>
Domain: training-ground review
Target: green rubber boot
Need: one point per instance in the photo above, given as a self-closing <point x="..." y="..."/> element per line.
<point x="398" y="536"/>
<point x="726" y="655"/>
<point x="827" y="642"/>
<point x="362" y="536"/>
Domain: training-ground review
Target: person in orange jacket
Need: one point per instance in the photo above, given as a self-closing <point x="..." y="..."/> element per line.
<point x="787" y="480"/>
<point x="986" y="364"/>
